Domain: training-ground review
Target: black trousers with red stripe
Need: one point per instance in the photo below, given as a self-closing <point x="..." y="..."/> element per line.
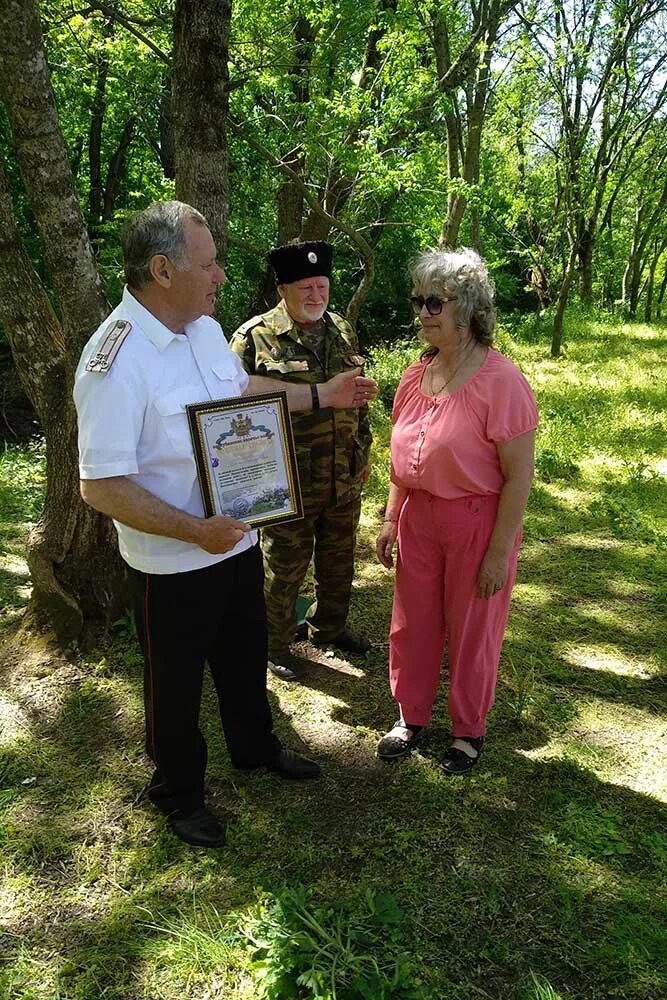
<point x="215" y="615"/>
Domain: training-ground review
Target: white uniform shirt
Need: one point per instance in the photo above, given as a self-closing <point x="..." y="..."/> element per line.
<point x="132" y="422"/>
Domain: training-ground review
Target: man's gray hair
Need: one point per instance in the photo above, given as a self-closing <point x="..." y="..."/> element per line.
<point x="459" y="274"/>
<point x="159" y="229"/>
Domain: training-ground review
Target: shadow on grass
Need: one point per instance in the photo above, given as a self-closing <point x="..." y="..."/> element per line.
<point x="76" y="829"/>
<point x="524" y="866"/>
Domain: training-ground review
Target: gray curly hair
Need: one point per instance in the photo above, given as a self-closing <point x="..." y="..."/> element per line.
<point x="159" y="229"/>
<point x="460" y="274"/>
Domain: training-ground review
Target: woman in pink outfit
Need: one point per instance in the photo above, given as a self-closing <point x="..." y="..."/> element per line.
<point x="461" y="470"/>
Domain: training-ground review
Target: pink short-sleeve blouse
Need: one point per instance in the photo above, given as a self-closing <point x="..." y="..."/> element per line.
<point x="446" y="445"/>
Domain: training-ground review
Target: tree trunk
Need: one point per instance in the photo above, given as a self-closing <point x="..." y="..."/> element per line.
<point x="625" y="281"/>
<point x="631" y="265"/>
<point x="464" y="143"/>
<point x="72" y="553"/>
<point x="116" y="170"/>
<point x="337" y="191"/>
<point x="95" y="144"/>
<point x="289" y="201"/>
<point x="646" y="235"/>
<point x="650" y="284"/>
<point x="449" y="233"/>
<point x="585" y="252"/>
<point x="200" y="105"/>
<point x="635" y="281"/>
<point x="661" y="295"/>
<point x="25" y="88"/>
<point x="648" y="302"/>
<point x="98" y="111"/>
<point x="355" y="304"/>
<point x="166" y="130"/>
<point x="561" y="304"/>
<point x="539" y="283"/>
<point x="475" y="234"/>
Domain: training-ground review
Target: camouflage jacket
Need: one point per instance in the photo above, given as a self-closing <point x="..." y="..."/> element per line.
<point x="331" y="445"/>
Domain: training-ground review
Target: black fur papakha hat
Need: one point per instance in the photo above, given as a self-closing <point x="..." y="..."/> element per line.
<point x="296" y="261"/>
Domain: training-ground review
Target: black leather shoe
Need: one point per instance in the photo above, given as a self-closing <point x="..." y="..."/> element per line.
<point x="395" y="747"/>
<point x="457" y="761"/>
<point x="200" y="828"/>
<point x="287" y="666"/>
<point x="289" y="765"/>
<point x="348" y="642"/>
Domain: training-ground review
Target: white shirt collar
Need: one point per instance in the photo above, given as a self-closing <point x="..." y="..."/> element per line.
<point x="157" y="332"/>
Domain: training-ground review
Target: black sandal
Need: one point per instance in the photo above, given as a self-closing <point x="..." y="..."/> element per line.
<point x="393" y="747"/>
<point x="457" y="761"/>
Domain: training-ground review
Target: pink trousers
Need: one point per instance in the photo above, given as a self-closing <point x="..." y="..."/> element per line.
<point x="441" y="546"/>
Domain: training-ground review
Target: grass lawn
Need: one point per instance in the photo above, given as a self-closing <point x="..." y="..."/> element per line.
<point x="542" y="875"/>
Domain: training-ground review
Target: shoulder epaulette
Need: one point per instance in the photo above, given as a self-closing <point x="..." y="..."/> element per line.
<point x="113" y="339"/>
<point x="357" y="360"/>
<point x="248" y="325"/>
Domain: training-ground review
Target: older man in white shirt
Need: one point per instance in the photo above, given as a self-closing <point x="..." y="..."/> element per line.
<point x="197" y="581"/>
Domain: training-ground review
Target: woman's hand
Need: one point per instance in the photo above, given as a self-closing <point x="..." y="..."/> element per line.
<point x="492" y="575"/>
<point x="384" y="543"/>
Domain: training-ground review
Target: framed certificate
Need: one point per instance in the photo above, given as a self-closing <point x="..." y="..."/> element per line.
<point x="246" y="464"/>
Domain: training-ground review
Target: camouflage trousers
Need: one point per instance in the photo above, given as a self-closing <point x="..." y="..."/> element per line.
<point x="327" y="534"/>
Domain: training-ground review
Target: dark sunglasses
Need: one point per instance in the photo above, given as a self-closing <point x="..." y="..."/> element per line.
<point x="433" y="303"/>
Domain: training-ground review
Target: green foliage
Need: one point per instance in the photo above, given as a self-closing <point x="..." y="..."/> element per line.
<point x="634" y="508"/>
<point x="22" y="481"/>
<point x="352" y="951"/>
<point x="387" y="365"/>
<point x="590" y="831"/>
<point x="551" y="465"/>
<point x="353" y="87"/>
<point x="626" y="520"/>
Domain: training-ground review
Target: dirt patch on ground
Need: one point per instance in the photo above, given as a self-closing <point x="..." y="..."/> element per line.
<point x="34" y="679"/>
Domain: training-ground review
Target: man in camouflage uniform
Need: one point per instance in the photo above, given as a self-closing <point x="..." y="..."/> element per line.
<point x="300" y="341"/>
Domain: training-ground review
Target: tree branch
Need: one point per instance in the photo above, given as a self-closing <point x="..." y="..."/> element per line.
<point x="130" y="26"/>
<point x="363" y="246"/>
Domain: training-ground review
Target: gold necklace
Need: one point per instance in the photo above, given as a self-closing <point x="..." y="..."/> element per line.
<point x="468" y="353"/>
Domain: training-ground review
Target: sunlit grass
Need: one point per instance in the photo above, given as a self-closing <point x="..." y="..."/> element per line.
<point x="593" y="657"/>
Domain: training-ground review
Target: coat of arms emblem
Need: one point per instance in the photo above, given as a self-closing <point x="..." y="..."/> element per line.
<point x="241" y="425"/>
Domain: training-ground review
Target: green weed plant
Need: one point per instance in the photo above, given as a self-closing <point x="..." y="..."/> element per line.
<point x="353" y="951"/>
<point x="541" y="989"/>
